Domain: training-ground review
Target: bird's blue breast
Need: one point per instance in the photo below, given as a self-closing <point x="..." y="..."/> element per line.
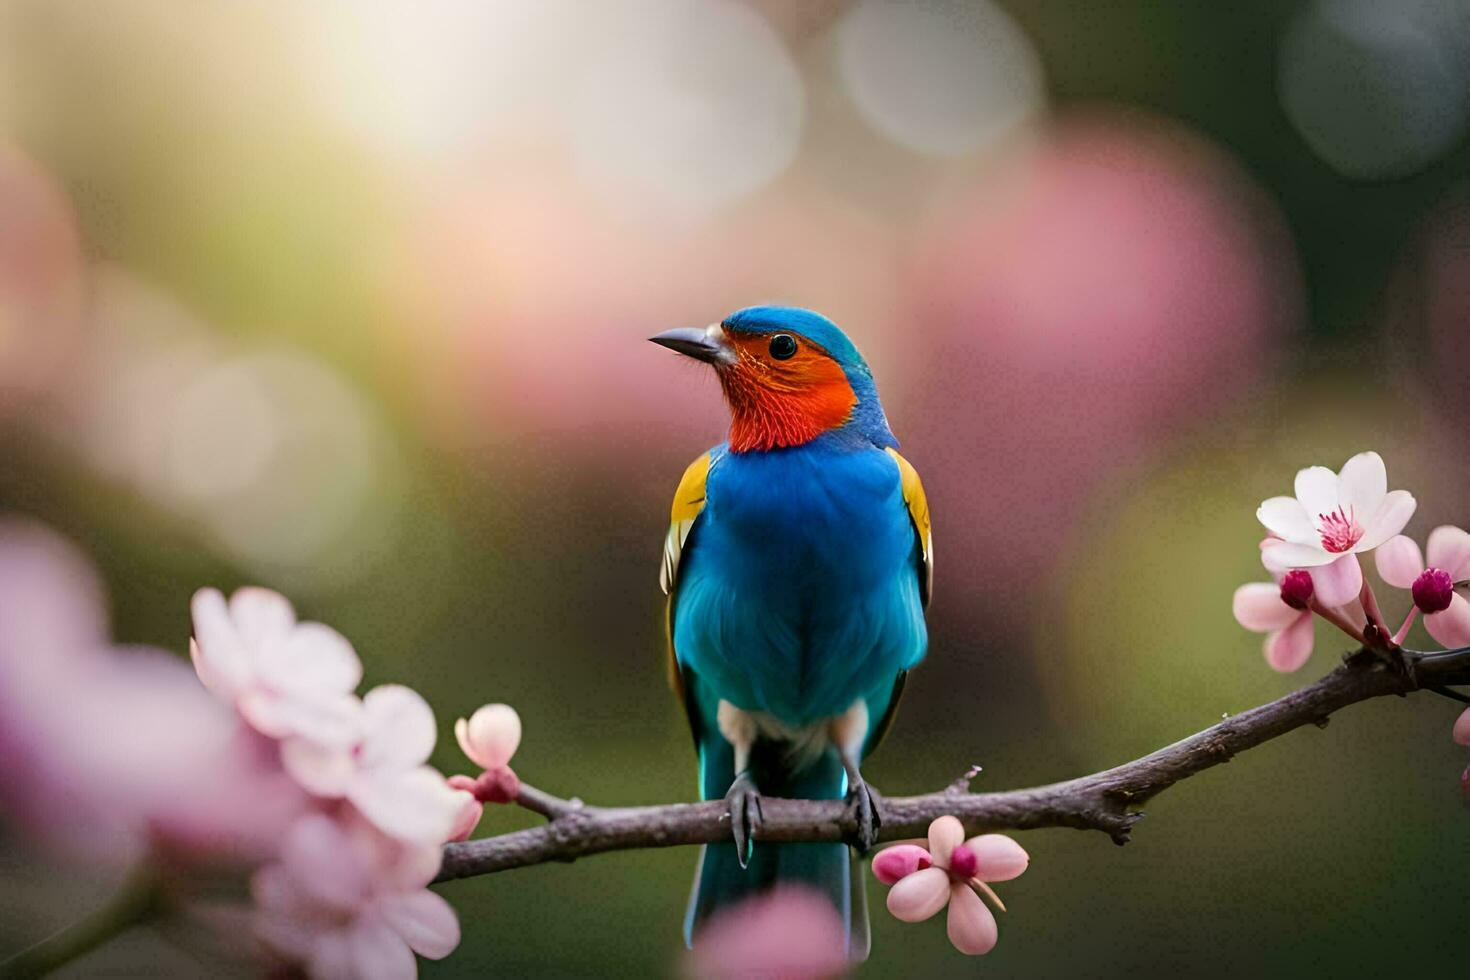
<point x="799" y="591"/>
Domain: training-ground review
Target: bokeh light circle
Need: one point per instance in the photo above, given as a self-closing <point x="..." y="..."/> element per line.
<point x="693" y="104"/>
<point x="939" y="77"/>
<point x="1378" y="90"/>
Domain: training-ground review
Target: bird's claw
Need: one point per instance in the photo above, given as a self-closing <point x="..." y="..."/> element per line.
<point x="744" y="802"/>
<point x="864" y="803"/>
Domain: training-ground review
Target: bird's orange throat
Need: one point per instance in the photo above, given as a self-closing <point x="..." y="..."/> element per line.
<point x="787" y="403"/>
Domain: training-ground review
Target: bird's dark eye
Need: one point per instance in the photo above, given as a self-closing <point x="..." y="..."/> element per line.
<point x="783" y="345"/>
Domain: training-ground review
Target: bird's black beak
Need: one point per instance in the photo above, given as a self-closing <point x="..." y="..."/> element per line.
<point x="708" y="344"/>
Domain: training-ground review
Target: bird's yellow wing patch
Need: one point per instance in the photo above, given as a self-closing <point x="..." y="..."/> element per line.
<point x="688" y="503"/>
<point x="918" y="504"/>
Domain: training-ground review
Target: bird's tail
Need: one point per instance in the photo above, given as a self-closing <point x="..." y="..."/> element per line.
<point x="831" y="869"/>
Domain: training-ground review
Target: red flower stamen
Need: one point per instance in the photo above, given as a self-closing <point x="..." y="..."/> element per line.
<point x="1339" y="530"/>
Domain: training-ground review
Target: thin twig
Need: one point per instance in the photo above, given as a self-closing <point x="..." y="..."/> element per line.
<point x="1104" y="801"/>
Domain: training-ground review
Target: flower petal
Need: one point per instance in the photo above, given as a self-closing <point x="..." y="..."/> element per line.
<point x="918" y="896"/>
<point x="319" y="769"/>
<point x="1287" y="519"/>
<point x="260" y="616"/>
<point x="1291" y="554"/>
<point x="893" y="864"/>
<point x="1399" y="561"/>
<point x="398" y="728"/>
<point x="971" y="925"/>
<point x="1000" y="858"/>
<point x="470" y="812"/>
<point x="491" y="736"/>
<point x="1257" y="606"/>
<point x="334" y="720"/>
<point x="219" y="655"/>
<point x="1452" y="626"/>
<point x="424" y="920"/>
<point x="324" y="863"/>
<point x="1362" y="485"/>
<point x="1317" y="488"/>
<point x="1338" y="583"/>
<point x="1461" y="733"/>
<point x="377" y="952"/>
<point x="945" y="834"/>
<point x="1389" y="520"/>
<point x="414" y="805"/>
<point x="311" y="659"/>
<point x="1449" y="548"/>
<point x="1288" y="649"/>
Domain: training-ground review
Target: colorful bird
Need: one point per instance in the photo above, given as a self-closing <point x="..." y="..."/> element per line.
<point x="797" y="564"/>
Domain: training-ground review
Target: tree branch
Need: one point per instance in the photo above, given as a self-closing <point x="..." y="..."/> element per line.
<point x="1103" y="801"/>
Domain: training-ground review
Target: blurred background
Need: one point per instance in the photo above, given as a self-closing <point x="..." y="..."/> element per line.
<point x="349" y="299"/>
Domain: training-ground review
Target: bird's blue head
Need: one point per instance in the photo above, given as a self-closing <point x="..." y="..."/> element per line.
<point x="789" y="375"/>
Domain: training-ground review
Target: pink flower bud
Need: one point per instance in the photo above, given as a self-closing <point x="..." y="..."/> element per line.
<point x="469" y="814"/>
<point x="893" y="863"/>
<point x="1433" y="590"/>
<point x="963" y="863"/>
<point x="498" y="785"/>
<point x="490" y="736"/>
<point x="1296" y="589"/>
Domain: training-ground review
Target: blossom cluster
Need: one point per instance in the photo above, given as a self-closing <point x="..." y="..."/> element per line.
<point x="1314" y="538"/>
<point x="347" y="894"/>
<point x="273" y="767"/>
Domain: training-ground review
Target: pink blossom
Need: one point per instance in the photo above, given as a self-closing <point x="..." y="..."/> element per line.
<point x="1446" y="611"/>
<point x="1332" y="518"/>
<point x="287" y="679"/>
<point x="380" y="767"/>
<point x="956" y="871"/>
<point x="1280" y="610"/>
<point x="790" y="932"/>
<point x="347" y="901"/>
<point x="109" y="753"/>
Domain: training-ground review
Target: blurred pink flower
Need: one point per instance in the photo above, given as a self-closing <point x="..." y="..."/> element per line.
<point x="285" y="678"/>
<point x="1446" y="611"/>
<point x="345" y="901"/>
<point x="112" y="753"/>
<point x="1281" y="611"/>
<point x="43" y="282"/>
<point x="1109" y="234"/>
<point x="1333" y="518"/>
<point x="951" y="872"/>
<point x="791" y="932"/>
<point x="381" y="767"/>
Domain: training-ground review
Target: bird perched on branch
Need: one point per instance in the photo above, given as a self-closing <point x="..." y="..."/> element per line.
<point x="797" y="564"/>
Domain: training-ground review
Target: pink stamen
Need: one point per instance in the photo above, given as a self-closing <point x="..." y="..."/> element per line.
<point x="1340" y="530"/>
<point x="963" y="863"/>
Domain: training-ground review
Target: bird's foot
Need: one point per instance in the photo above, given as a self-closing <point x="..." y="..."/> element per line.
<point x="865" y="805"/>
<point x="744" y="802"/>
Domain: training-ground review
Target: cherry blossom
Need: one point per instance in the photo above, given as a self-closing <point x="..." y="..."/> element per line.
<point x="287" y="679"/>
<point x="1332" y="518"/>
<point x="1432" y="583"/>
<point x="1282" y="611"/>
<point x="345" y="901"/>
<point x="951" y="871"/>
<point x="380" y="767"/>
